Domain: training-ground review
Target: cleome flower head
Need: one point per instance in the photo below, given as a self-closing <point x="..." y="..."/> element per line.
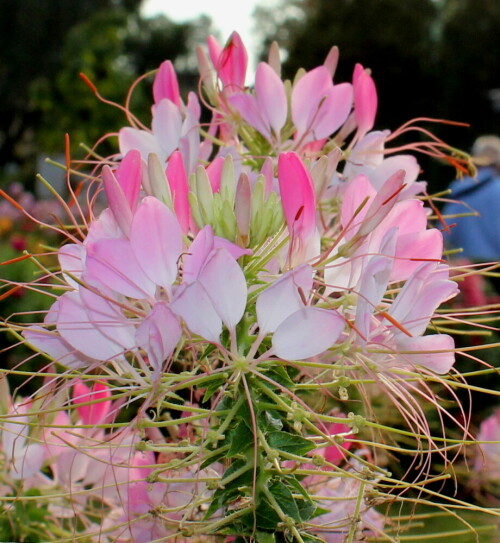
<point x="212" y="321"/>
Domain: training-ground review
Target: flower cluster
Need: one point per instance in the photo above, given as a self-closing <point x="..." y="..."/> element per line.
<point x="221" y="329"/>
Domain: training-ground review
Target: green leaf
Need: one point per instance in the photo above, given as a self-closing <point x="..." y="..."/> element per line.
<point x="306" y="505"/>
<point x="269" y="420"/>
<point x="280" y="375"/>
<point x="240" y="439"/>
<point x="290" y="443"/>
<point x="264" y="537"/>
<point x="213" y="387"/>
<point x="213" y="458"/>
<point x="283" y="496"/>
<point x="266" y="517"/>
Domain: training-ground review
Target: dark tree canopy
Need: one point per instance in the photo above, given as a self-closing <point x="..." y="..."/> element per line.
<point x="45" y="45"/>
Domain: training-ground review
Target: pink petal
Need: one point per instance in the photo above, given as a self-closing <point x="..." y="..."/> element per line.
<point x="165" y="84"/>
<point x="231" y="63"/>
<point x="96" y="412"/>
<point x="373" y="284"/>
<point x="128" y="175"/>
<point x="156" y="241"/>
<point x="280" y="299"/>
<point x="117" y="200"/>
<point x="226" y="286"/>
<point x="192" y="303"/>
<point x="179" y="187"/>
<point x="214" y="172"/>
<point x="298" y="197"/>
<point x="307" y="332"/>
<point x="365" y="100"/>
<point x="158" y="334"/>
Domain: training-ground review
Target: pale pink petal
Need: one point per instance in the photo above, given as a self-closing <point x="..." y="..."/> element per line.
<point x="51" y="343"/>
<point x="307" y="95"/>
<point x="282" y="298"/>
<point x="367" y="154"/>
<point x="94" y="327"/>
<point x="268" y="172"/>
<point x="391" y="165"/>
<point x="307" y="332"/>
<point x="234" y="250"/>
<point x="166" y="126"/>
<point x="189" y="142"/>
<point x="420" y="296"/>
<point x="333" y="111"/>
<point x="156" y="240"/>
<point x="196" y="257"/>
<point x="226" y="286"/>
<point x="413" y="249"/>
<point x="358" y="196"/>
<point x="113" y="263"/>
<point x="71" y="257"/>
<point x="373" y="283"/>
<point x="248" y="107"/>
<point x="384" y="201"/>
<point x="165" y="84"/>
<point x="144" y="142"/>
<point x="408" y="216"/>
<point x="423" y="355"/>
<point x="192" y="303"/>
<point x="271" y="97"/>
<point x="158" y="334"/>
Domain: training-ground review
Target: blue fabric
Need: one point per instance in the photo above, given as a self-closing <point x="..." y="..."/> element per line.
<point x="479" y="237"/>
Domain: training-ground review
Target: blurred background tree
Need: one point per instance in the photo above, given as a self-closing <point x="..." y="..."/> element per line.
<point x="44" y="47"/>
<point x="429" y="58"/>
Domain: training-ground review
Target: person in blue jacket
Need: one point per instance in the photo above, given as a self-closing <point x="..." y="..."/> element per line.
<point x="477" y="236"/>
